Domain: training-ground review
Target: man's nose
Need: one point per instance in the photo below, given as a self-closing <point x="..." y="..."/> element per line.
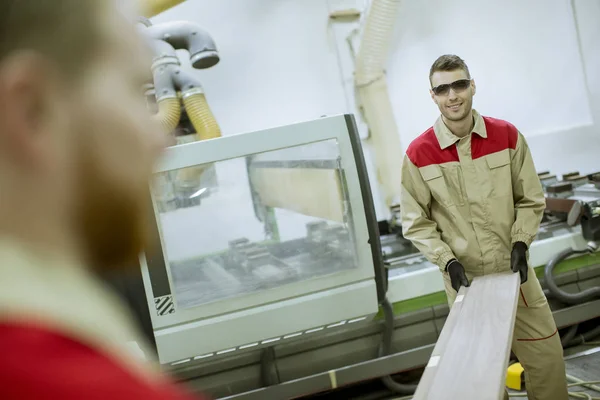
<point x="452" y="95"/>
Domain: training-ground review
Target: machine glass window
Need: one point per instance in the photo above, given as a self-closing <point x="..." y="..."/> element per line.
<point x="254" y="223"/>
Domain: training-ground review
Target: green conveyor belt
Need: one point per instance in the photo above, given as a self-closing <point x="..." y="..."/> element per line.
<point x="438" y="298"/>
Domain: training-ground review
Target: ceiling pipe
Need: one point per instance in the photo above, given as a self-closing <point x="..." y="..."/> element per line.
<point x="374" y="100"/>
<point x="177" y="87"/>
<point x="163" y="53"/>
<point x="174" y="83"/>
<point x="189" y="36"/>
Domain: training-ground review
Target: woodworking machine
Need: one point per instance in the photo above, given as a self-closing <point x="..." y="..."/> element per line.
<point x="273" y="286"/>
<point x="285" y="246"/>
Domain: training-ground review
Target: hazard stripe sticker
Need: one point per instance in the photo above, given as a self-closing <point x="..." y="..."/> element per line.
<point x="164" y="305"/>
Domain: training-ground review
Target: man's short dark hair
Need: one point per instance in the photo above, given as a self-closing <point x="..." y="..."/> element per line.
<point x="65" y="31"/>
<point x="449" y="62"/>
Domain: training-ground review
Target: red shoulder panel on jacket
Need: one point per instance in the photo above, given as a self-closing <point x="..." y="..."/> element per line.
<point x="501" y="135"/>
<point x="37" y="363"/>
<point x="425" y="150"/>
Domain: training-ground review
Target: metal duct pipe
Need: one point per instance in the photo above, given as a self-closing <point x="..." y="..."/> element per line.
<point x="170" y="82"/>
<point x="373" y="97"/>
<point x="163" y="53"/>
<point x="170" y="79"/>
<point x="152" y="7"/>
<point x="174" y="85"/>
<point x="164" y="66"/>
<point x="164" y="81"/>
<point x="189" y="36"/>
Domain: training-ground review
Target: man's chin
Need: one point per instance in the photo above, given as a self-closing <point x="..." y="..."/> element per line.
<point x="454" y="117"/>
<point x="113" y="233"/>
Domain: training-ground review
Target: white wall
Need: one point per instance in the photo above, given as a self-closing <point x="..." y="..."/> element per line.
<point x="517" y="52"/>
<point x="577" y="148"/>
<point x="282" y="62"/>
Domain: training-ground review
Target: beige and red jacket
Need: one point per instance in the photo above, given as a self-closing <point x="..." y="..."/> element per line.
<point x="63" y="335"/>
<point x="470" y="198"/>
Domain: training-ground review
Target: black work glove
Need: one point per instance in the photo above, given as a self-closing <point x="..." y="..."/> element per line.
<point x="518" y="260"/>
<point x="457" y="274"/>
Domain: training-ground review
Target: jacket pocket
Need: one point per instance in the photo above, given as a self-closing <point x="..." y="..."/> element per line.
<point x="499" y="173"/>
<point x="432" y="175"/>
<point x="456" y="186"/>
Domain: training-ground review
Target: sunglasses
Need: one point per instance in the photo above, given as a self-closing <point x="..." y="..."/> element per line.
<point x="457" y="86"/>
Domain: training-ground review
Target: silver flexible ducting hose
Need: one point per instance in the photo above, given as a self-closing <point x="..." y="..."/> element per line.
<point x="561" y="295"/>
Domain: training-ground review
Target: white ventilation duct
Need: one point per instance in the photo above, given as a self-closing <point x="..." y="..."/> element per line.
<point x="372" y="95"/>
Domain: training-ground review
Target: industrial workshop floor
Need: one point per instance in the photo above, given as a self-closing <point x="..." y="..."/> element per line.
<point x="583" y="363"/>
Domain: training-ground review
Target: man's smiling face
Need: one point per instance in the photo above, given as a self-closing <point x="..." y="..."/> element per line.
<point x="453" y="92"/>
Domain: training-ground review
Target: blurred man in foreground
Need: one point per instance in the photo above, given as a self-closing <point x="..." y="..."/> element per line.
<point x="77" y="147"/>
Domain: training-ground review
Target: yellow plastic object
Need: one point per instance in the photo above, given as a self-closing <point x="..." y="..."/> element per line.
<point x="513" y="376"/>
<point x="201" y="116"/>
<point x="153" y="7"/>
<point x="190" y="177"/>
<point x="169" y="113"/>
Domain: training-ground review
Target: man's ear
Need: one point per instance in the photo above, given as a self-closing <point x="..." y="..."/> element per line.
<point x="24" y="89"/>
<point x="473" y="86"/>
<point x="433" y="96"/>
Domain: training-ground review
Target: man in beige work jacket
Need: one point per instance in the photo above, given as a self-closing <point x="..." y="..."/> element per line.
<point x="472" y="203"/>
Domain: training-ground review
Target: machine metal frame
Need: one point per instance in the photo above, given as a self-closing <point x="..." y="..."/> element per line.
<point x="248" y="320"/>
<point x="346" y="356"/>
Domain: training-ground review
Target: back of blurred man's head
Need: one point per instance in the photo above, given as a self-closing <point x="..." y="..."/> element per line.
<point x="77" y="144"/>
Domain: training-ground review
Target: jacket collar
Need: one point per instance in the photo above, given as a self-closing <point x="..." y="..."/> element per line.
<point x="66" y="297"/>
<point x="446" y="138"/>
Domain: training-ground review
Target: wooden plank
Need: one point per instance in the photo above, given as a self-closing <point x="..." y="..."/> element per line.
<point x="470" y="358"/>
<point x="315" y="192"/>
<point x="431" y="369"/>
